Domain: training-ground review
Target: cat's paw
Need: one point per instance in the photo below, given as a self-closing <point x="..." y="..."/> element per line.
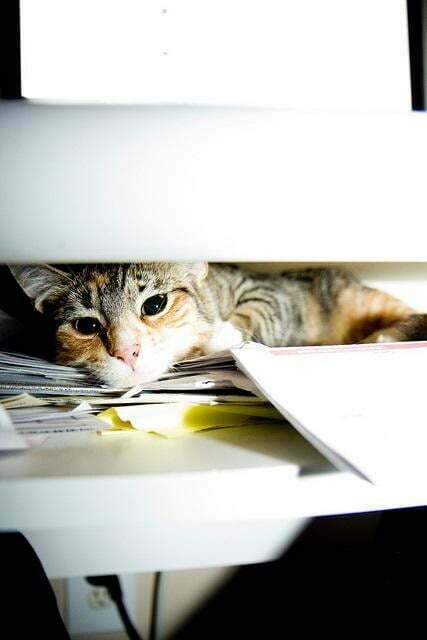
<point x="224" y="336"/>
<point x="383" y="335"/>
<point x="412" y="328"/>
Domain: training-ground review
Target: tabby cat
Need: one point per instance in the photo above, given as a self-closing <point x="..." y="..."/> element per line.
<point x="129" y="323"/>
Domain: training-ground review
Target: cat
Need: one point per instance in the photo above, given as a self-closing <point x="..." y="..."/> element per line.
<point x="129" y="323"/>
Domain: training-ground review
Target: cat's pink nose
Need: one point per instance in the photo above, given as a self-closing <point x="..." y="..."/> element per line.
<point x="128" y="354"/>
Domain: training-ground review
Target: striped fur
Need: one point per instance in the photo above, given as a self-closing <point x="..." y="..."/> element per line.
<point x="206" y="310"/>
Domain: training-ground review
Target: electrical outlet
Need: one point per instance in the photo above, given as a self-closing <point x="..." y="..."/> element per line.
<point x="99" y="598"/>
<point x="91" y="610"/>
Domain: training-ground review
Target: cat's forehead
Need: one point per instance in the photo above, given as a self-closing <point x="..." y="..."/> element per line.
<point x="109" y="288"/>
<point x="155" y="275"/>
<point x="116" y="278"/>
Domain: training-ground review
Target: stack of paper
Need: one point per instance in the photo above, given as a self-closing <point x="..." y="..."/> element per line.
<point x="361" y="406"/>
<point x="23" y="373"/>
<point x="50" y="398"/>
<point x="221" y="360"/>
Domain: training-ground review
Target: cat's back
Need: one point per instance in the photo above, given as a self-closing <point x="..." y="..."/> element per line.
<point x="296" y="306"/>
<point x="325" y="283"/>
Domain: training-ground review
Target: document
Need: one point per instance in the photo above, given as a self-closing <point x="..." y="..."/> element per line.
<point x="65" y="424"/>
<point x="10" y="439"/>
<point x="361" y="406"/>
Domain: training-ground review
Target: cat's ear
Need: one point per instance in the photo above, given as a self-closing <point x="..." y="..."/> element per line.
<point x="41" y="283"/>
<point x="197" y="270"/>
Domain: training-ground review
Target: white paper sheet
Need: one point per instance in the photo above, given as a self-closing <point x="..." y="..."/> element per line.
<point x="9" y="438"/>
<point x="69" y="424"/>
<point x="203" y="381"/>
<point x="362" y="406"/>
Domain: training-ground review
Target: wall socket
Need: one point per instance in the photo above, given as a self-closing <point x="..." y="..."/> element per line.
<point x="90" y="610"/>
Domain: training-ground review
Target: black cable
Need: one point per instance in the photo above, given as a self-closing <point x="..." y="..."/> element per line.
<point x="155" y="605"/>
<point x="127" y="622"/>
<point x="113" y="586"/>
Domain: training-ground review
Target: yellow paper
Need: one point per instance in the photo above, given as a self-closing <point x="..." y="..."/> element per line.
<point x="176" y="419"/>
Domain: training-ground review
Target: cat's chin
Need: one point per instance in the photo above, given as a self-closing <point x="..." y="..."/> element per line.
<point x="118" y="375"/>
<point x="127" y="379"/>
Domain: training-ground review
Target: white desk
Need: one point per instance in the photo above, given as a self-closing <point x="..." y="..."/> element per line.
<point x="136" y="503"/>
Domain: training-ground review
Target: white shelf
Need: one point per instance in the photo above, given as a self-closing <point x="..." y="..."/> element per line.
<point x="133" y="502"/>
<point x="126" y="183"/>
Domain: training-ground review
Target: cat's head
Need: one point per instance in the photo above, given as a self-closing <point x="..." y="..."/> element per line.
<point x="124" y="323"/>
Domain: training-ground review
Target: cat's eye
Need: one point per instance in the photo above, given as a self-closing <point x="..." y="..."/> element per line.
<point x="87" y="326"/>
<point x="155" y="304"/>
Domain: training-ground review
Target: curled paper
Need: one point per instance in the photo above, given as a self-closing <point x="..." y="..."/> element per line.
<point x="175" y="419"/>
